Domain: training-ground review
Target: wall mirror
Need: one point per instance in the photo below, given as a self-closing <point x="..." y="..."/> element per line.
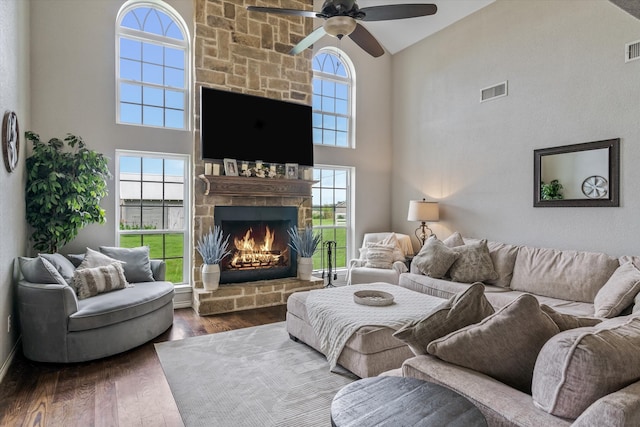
<point x="577" y="175"/>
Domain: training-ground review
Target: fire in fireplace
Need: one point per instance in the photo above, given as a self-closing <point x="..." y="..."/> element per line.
<point x="259" y="242"/>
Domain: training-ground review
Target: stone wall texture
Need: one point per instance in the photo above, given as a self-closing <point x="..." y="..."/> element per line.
<point x="246" y="52"/>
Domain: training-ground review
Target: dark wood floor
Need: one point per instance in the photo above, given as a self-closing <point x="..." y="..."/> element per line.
<point x="128" y="389"/>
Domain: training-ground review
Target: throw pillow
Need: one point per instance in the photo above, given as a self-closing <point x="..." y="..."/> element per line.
<point x="434" y="259"/>
<point x="90" y="282"/>
<point x="392" y="240"/>
<point x="39" y="270"/>
<point x="76" y="259"/>
<point x="454" y="240"/>
<point x="465" y="308"/>
<point x="618" y="292"/>
<point x="504" y="345"/>
<point x="577" y="367"/>
<point x="137" y="267"/>
<point x="568" y="321"/>
<point x="379" y="256"/>
<point x="94" y="259"/>
<point x="473" y="264"/>
<point x="62" y="264"/>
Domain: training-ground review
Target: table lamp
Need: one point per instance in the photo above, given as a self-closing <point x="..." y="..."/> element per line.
<point x="423" y="211"/>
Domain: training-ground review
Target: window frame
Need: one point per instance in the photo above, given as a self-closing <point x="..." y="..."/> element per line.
<point x="350" y="81"/>
<point x="157" y="40"/>
<point x="186" y="249"/>
<point x="348" y="226"/>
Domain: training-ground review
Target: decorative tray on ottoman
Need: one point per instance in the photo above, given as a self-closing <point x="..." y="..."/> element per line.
<point x="376" y="298"/>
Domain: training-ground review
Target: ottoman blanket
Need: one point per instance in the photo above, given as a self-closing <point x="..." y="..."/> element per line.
<point x="334" y="316"/>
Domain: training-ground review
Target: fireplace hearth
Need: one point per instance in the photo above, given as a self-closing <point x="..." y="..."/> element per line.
<point x="258" y="242"/>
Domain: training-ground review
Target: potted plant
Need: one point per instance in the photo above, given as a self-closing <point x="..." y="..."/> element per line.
<point x="305" y="243"/>
<point x="212" y="248"/>
<point x="551" y="191"/>
<point x="65" y="183"/>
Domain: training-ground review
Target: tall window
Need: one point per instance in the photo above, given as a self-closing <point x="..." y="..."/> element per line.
<point x="152" y="66"/>
<point x="331" y="212"/>
<point x="333" y="99"/>
<point x="153" y="208"/>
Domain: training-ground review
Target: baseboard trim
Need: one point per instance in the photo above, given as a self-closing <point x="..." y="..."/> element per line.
<point x="182" y="304"/>
<point x="7" y="363"/>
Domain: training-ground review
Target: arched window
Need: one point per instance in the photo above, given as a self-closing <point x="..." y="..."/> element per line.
<point x="333" y="100"/>
<point x="152" y="66"/>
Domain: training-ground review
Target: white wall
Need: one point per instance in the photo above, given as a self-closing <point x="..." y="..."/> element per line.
<point x="73" y="87"/>
<point x="14" y="96"/>
<point x="568" y="83"/>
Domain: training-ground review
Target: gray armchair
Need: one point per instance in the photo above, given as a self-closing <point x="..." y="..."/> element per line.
<point x="360" y="273"/>
<point x="58" y="327"/>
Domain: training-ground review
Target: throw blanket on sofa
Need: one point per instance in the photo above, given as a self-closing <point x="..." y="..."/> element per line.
<point x="334" y="316"/>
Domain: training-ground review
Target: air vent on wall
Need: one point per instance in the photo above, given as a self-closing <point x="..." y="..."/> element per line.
<point x="493" y="92"/>
<point x="632" y="51"/>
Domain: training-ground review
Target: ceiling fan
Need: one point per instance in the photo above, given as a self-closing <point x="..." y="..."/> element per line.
<point x="341" y="18"/>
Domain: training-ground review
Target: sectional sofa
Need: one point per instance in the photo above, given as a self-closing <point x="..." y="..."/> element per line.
<point x="588" y="339"/>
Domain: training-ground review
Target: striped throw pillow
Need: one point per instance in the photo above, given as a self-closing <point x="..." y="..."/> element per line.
<point x="90" y="282"/>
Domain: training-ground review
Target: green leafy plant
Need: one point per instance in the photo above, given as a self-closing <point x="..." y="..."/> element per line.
<point x="65" y="183"/>
<point x="551" y="191"/>
<point x="304" y="242"/>
<point x="212" y="247"/>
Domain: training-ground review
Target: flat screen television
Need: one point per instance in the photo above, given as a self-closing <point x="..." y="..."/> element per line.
<point x="246" y="127"/>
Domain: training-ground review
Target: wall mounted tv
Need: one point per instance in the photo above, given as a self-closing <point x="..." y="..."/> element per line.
<point x="246" y="127"/>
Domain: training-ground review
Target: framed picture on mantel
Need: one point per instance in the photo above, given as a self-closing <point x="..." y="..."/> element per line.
<point x="230" y="167"/>
<point x="291" y="170"/>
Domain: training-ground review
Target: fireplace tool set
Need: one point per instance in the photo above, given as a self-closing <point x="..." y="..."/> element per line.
<point x="331" y="262"/>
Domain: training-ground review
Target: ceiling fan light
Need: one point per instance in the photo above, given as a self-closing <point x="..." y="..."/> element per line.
<point x="339" y="26"/>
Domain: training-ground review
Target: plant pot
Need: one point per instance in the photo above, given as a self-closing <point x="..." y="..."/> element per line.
<point x="305" y="267"/>
<point x="210" y="276"/>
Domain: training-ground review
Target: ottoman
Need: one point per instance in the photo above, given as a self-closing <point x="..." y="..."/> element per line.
<point x="370" y="351"/>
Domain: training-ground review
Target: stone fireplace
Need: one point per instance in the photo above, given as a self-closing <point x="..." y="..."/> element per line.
<point x="246" y="207"/>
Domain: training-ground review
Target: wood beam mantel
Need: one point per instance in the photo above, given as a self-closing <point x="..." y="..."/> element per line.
<point x="222" y="185"/>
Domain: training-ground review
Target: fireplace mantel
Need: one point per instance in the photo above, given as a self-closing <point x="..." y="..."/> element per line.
<point x="222" y="185"/>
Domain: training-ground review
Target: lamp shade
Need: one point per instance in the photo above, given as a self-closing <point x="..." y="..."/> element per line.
<point x="339" y="26"/>
<point x="421" y="210"/>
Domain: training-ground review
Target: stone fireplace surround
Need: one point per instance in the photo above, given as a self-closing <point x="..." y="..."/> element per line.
<point x="246" y="191"/>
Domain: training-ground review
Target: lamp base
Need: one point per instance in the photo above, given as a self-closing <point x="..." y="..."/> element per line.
<point x="421" y="233"/>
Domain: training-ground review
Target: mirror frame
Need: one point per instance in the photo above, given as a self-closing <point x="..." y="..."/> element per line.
<point x="613" y="145"/>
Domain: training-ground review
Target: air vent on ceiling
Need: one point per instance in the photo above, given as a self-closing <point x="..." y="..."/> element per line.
<point x="493" y="92"/>
<point x="632" y="51"/>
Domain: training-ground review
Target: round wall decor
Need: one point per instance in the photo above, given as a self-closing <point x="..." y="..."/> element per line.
<point x="10" y="140"/>
<point x="595" y="187"/>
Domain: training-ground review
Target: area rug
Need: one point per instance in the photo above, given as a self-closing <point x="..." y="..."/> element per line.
<point x="250" y="377"/>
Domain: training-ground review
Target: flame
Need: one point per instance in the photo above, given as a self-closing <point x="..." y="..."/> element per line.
<point x="248" y="253"/>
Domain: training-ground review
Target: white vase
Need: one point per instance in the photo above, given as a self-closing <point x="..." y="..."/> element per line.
<point x="305" y="267"/>
<point x="210" y="276"/>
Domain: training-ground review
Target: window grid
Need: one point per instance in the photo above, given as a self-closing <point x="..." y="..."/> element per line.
<point x="152" y="73"/>
<point x="332" y="106"/>
<point x="138" y="186"/>
<point x="330" y="213"/>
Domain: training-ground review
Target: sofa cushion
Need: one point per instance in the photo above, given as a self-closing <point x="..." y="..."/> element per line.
<point x="579" y="366"/>
<point x="568" y="275"/>
<point x="504" y="345"/>
<point x="619" y="291"/>
<point x="568" y="321"/>
<point x="474" y="263"/>
<point x="62" y="264"/>
<point x="39" y="270"/>
<point x="461" y="310"/>
<point x="115" y="307"/>
<point x="379" y="256"/>
<point x="90" y="282"/>
<point x="454" y="240"/>
<point x="434" y="259"/>
<point x="503" y="257"/>
<point x="137" y="267"/>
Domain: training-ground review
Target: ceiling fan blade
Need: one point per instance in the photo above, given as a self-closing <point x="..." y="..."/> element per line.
<point x="397" y="11"/>
<point x="366" y="41"/>
<point x="293" y="12"/>
<point x="316" y="35"/>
